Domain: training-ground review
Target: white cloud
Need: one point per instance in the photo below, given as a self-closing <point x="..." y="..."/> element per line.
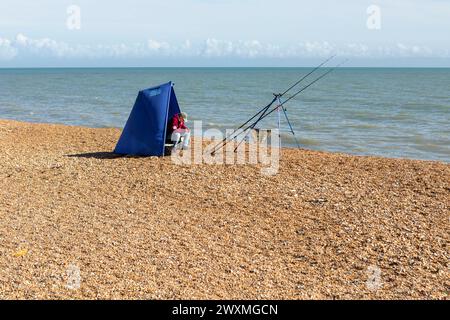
<point x="415" y="50"/>
<point x="45" y="47"/>
<point x="319" y="48"/>
<point x="217" y="48"/>
<point x="256" y="49"/>
<point x="210" y="48"/>
<point x="7" y="51"/>
<point x="157" y="46"/>
<point x="357" y="49"/>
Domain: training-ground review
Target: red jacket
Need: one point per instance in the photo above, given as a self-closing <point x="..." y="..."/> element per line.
<point x="177" y="123"/>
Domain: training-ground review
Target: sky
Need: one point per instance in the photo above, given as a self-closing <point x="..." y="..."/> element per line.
<point x="187" y="33"/>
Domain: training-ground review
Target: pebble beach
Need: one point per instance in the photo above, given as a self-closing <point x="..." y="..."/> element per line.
<point x="327" y="226"/>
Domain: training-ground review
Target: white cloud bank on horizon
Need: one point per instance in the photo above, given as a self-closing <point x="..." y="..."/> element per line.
<point x="23" y="46"/>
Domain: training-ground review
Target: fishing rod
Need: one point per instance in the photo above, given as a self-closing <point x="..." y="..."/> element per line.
<point x="314" y="70"/>
<point x="280" y="95"/>
<point x="318" y="79"/>
<point x="252" y="126"/>
<point x="263" y="111"/>
<point x="224" y="142"/>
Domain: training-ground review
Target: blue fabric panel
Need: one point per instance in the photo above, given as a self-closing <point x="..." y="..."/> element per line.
<point x="145" y="130"/>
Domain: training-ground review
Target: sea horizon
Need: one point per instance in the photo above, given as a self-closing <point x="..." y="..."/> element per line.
<point x="224" y="67"/>
<point x="391" y="112"/>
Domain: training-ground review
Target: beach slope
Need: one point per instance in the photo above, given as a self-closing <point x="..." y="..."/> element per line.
<point x="78" y="222"/>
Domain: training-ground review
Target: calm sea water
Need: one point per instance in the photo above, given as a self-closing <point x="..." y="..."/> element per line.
<point x="385" y="112"/>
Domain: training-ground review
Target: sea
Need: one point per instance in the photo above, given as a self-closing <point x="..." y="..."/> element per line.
<point x="388" y="112"/>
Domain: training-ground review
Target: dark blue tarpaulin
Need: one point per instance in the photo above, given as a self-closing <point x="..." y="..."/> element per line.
<point x="145" y="131"/>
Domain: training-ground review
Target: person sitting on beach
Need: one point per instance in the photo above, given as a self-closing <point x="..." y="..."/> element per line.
<point x="178" y="130"/>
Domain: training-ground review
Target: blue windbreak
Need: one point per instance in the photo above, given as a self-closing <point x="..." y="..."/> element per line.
<point x="145" y="131"/>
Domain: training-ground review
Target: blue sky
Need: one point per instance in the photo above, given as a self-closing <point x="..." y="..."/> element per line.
<point x="43" y="33"/>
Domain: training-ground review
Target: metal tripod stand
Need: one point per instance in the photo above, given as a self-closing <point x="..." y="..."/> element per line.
<point x="280" y="109"/>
